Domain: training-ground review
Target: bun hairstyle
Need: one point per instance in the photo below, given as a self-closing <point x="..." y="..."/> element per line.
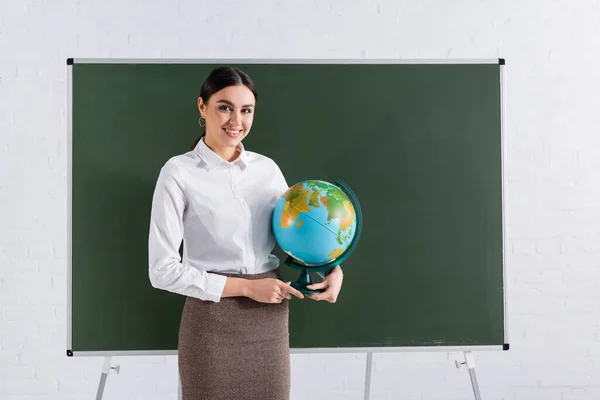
<point x="220" y="78"/>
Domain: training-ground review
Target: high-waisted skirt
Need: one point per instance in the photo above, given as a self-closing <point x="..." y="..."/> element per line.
<point x="235" y="349"/>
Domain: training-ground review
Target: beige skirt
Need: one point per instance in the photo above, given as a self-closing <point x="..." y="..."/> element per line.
<point x="236" y="349"/>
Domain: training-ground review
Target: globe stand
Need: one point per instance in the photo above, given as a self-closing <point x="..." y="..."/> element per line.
<point x="304" y="279"/>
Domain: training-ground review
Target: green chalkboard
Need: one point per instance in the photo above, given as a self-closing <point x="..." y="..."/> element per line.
<point x="419" y="143"/>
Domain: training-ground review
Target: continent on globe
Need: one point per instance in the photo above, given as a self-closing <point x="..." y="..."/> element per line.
<point x="314" y="221"/>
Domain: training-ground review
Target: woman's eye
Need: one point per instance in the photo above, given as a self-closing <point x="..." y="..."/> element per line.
<point x="247" y="110"/>
<point x="224" y="108"/>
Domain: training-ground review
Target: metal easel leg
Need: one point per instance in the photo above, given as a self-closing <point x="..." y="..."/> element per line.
<point x="470" y="362"/>
<point x="368" y="376"/>
<point x="179" y="394"/>
<point x="105" y="370"/>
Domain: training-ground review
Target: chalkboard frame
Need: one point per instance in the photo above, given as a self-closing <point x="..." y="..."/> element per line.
<point x="500" y="61"/>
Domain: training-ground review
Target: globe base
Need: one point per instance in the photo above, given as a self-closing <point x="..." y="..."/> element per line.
<point x="302" y="283"/>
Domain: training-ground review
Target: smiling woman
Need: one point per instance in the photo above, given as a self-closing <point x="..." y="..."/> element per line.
<point x="226" y="104"/>
<point x="228" y="115"/>
<point x="218" y="199"/>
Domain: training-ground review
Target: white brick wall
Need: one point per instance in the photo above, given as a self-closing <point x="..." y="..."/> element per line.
<point x="553" y="169"/>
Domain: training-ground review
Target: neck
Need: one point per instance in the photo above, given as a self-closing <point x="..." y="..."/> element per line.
<point x="226" y="153"/>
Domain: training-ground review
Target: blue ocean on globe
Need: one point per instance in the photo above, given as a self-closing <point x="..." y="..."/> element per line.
<point x="314" y="222"/>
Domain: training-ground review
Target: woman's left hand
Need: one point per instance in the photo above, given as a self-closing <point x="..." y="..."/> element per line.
<point x="332" y="285"/>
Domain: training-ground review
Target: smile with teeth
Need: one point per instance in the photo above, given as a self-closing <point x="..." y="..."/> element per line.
<point x="232" y="132"/>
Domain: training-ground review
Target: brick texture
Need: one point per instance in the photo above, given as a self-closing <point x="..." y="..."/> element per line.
<point x="552" y="175"/>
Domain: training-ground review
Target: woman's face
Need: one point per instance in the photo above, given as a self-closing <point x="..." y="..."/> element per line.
<point x="229" y="114"/>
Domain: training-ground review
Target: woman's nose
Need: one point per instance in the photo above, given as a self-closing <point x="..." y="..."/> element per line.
<point x="235" y="118"/>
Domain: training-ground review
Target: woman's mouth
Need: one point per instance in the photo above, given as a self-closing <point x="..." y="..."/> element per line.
<point x="233" y="132"/>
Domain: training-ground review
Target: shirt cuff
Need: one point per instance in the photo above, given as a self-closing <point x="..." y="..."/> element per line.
<point x="214" y="287"/>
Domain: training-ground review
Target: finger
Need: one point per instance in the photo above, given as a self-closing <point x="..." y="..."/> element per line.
<point x="296" y="293"/>
<point x="320" y="285"/>
<point x="328" y="295"/>
<point x="289" y="289"/>
<point x="281" y="294"/>
<point x="321" y="297"/>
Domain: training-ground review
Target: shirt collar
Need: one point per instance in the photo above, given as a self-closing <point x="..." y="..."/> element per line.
<point x="213" y="160"/>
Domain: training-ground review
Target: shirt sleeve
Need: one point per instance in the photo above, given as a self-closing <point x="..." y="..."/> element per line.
<point x="166" y="271"/>
<point x="281" y="181"/>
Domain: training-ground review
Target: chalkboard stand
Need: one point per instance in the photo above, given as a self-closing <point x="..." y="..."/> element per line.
<point x="368" y="376"/>
<point x="105" y="370"/>
<point x="470" y="363"/>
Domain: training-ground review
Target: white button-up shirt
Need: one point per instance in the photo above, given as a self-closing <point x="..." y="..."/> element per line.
<point x="222" y="211"/>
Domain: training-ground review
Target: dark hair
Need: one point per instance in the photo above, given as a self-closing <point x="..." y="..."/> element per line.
<point x="220" y="78"/>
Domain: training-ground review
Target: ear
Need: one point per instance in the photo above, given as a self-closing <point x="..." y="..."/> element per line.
<point x="201" y="107"/>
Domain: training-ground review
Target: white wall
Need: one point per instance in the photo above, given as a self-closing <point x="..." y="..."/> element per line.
<point x="553" y="198"/>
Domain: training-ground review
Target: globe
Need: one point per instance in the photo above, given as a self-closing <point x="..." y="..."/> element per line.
<point x="317" y="224"/>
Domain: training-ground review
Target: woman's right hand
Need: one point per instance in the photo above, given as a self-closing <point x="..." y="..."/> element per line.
<point x="270" y="290"/>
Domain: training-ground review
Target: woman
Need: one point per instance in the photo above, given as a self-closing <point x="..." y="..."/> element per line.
<point x="218" y="198"/>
